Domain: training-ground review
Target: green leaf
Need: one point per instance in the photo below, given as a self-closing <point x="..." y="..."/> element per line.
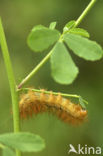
<point x="83" y="47"/>
<point x="69" y="25"/>
<point x="38" y="27"/>
<point x="52" y="25"/>
<point x="25" y="142"/>
<point x="64" y="70"/>
<point x="8" y="152"/>
<point x="79" y="31"/>
<point x="81" y="102"/>
<point x="40" y="38"/>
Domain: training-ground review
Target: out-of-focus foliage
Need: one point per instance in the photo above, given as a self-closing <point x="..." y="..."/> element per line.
<point x="19" y="17"/>
<point x="8" y="152"/>
<point x="25" y="142"/>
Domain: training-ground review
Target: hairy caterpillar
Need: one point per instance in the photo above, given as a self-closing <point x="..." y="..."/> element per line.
<point x="34" y="103"/>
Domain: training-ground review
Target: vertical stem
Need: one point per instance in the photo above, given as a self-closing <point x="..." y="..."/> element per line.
<point x="12" y="84"/>
<point x="85" y="12"/>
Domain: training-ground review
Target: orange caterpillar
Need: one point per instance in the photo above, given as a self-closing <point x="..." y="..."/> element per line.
<point x="34" y="103"/>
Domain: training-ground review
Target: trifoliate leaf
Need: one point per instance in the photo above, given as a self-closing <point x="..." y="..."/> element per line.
<point x="52" y="25"/>
<point x="79" y="31"/>
<point x="83" y="47"/>
<point x="69" y="25"/>
<point x="63" y="68"/>
<point x="40" y="38"/>
<point x="37" y="27"/>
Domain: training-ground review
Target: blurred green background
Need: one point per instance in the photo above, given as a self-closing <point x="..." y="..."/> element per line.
<point x="19" y="16"/>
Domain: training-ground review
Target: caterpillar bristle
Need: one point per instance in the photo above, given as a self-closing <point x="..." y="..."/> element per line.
<point x="34" y="103"/>
<point x="51" y="99"/>
<point x="59" y="99"/>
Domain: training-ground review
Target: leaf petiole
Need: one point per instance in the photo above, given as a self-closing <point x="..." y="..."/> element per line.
<point x="54" y="93"/>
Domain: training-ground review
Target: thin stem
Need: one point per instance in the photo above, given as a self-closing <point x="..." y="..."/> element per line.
<point x="33" y="72"/>
<point x="12" y="84"/>
<point x="54" y="93"/>
<point x="85" y="12"/>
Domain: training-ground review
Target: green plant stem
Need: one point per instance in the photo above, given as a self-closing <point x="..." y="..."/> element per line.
<point x="14" y="93"/>
<point x="85" y="12"/>
<point x="54" y="93"/>
<point x="33" y="72"/>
